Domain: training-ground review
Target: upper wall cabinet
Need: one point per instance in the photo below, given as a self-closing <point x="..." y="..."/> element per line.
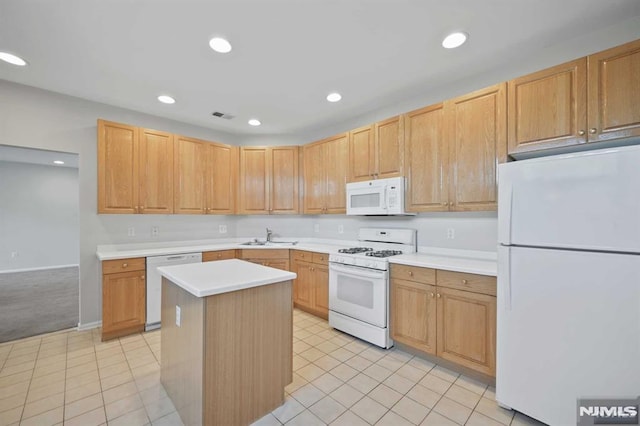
<point x="477" y="139"/>
<point x="614" y="93"/>
<point x="590" y="99"/>
<point x="377" y="150"/>
<point x="134" y="169"/>
<point x="426" y="160"/>
<point x="548" y="109"/>
<point x="204" y="177"/>
<point x="268" y="180"/>
<point x="326" y="169"/>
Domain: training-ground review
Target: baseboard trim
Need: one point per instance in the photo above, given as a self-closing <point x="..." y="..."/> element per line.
<point x="89" y="325"/>
<point x="41" y="268"/>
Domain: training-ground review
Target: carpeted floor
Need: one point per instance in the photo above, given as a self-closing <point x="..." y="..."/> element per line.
<point x="38" y="302"/>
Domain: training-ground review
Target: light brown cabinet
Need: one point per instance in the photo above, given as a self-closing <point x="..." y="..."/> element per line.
<point x="311" y="287"/>
<point x="135" y="172"/>
<point x="326" y="169"/>
<point x="377" y="150"/>
<point x="268" y="180"/>
<point x="452" y="151"/>
<point x="477" y="139"/>
<point x="123" y="297"/>
<point x="591" y="99"/>
<point x="274" y="258"/>
<point x="448" y="314"/>
<point x="210" y="256"/>
<point x="205" y="176"/>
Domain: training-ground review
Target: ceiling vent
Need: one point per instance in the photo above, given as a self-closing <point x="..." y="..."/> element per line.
<point x="222" y="115"/>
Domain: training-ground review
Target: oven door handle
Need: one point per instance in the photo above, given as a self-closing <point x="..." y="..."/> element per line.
<point x="360" y="272"/>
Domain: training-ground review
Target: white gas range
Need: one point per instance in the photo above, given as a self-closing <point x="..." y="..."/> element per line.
<point x="359" y="283"/>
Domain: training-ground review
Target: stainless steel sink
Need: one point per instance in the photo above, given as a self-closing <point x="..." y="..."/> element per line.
<point x="254" y="243"/>
<point x="268" y="243"/>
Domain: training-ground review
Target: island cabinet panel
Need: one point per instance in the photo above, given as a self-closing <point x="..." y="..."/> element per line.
<point x="239" y="357"/>
<point x="477" y="138"/>
<point x="123" y="297"/>
<point x="547" y="109"/>
<point x="426" y="160"/>
<point x="614" y="93"/>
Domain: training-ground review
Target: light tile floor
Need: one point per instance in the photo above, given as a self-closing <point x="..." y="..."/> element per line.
<point x="72" y="378"/>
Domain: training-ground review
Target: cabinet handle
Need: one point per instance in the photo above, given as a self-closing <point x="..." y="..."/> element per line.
<point x="142" y="277"/>
<point x="438" y="295"/>
<point x="431" y="294"/>
<point x="581" y="133"/>
<point x="593" y="130"/>
<point x="219" y="255"/>
<point x="410" y="273"/>
<point x="445" y="203"/>
<point x="124" y="265"/>
<point x="464" y="282"/>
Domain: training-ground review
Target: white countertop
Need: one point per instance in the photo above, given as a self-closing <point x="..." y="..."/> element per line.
<point x="475" y="262"/>
<point x="223" y="276"/>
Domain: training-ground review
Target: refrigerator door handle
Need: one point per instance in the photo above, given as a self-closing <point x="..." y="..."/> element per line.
<point x="505" y="219"/>
<point x="504" y="275"/>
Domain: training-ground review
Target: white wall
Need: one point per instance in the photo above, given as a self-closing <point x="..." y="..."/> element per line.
<point x="38" y="216"/>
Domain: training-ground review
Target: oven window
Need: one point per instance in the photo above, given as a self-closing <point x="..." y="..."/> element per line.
<point x="356" y="291"/>
<point x="365" y="200"/>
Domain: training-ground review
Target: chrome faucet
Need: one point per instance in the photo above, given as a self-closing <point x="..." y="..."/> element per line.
<point x="269" y="233"/>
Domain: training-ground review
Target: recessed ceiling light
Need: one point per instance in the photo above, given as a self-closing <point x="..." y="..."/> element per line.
<point x="58" y="162"/>
<point x="220" y="45"/>
<point x="166" y="99"/>
<point x="454" y="40"/>
<point x="12" y="59"/>
<point x="334" y="97"/>
<point x="254" y="122"/>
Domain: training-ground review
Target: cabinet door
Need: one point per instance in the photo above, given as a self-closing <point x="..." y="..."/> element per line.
<point x="222" y="171"/>
<point x="156" y="172"/>
<point x="117" y="168"/>
<point x="389" y="148"/>
<point x="315" y="178"/>
<point x="283" y="162"/>
<point x="548" y="109"/>
<point x="614" y="93"/>
<point x="190" y="168"/>
<point x="336" y="164"/>
<point x="303" y="284"/>
<point x="467" y="329"/>
<point x="426" y="160"/>
<point x="413" y="314"/>
<point x="321" y="289"/>
<point x="476" y="135"/>
<point x="361" y="147"/>
<point x="123" y="301"/>
<point x="253" y="188"/>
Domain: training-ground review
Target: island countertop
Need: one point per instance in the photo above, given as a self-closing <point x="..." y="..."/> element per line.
<point x="223" y="276"/>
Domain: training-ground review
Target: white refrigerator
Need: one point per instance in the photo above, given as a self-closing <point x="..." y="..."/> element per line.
<point x="568" y="282"/>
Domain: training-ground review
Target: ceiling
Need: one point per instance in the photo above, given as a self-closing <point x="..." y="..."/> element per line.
<point x="287" y="54"/>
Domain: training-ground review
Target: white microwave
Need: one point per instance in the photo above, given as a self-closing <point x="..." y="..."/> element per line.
<point x="376" y="197"/>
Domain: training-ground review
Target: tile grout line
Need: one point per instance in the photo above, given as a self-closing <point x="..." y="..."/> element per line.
<point x="24" y="403"/>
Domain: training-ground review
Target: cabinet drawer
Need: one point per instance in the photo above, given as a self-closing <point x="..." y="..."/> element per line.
<point x="209" y="256"/>
<point x="482" y="284"/>
<point x="123" y="265"/>
<point x="320" y="258"/>
<point x="413" y="273"/>
<point x="305" y="256"/>
<point x="263" y="254"/>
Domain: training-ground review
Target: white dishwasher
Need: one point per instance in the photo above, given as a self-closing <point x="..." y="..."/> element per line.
<point x="154" y="283"/>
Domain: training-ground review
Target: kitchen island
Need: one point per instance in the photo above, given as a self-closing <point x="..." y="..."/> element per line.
<point x="227" y="340"/>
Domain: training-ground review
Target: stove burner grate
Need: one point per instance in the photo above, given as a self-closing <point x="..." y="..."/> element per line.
<point x="354" y="250"/>
<point x="383" y="253"/>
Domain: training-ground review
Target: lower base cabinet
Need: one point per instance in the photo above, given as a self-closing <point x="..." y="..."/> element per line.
<point x="123" y="297"/>
<point x="448" y="314"/>
<point x="311" y="288"/>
